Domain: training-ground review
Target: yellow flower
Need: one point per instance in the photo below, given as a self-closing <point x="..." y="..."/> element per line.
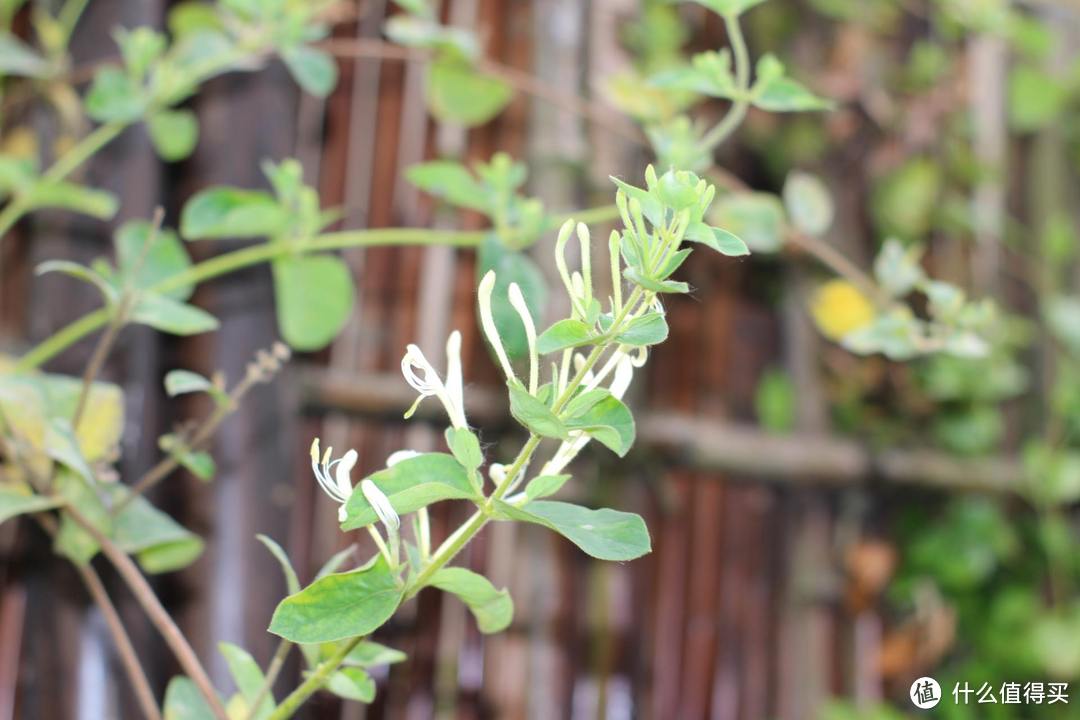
<point x="839" y="308"/>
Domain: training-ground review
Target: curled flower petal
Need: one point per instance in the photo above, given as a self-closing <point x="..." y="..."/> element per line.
<point x="337" y="486"/>
<point x="400" y="455"/>
<point x="380" y="504"/>
<point x="487" y="320"/>
<point x="517" y="300"/>
<point x="454" y="381"/>
<point x="341" y="473"/>
<point x="423" y="378"/>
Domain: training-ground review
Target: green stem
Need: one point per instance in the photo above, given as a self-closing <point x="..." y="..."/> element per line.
<point x="272" y="671"/>
<point x="314" y="682"/>
<point x="20" y="204"/>
<point x="245" y="257"/>
<point x="737" y="111"/>
<point x="84" y="150"/>
<point x="255" y="254"/>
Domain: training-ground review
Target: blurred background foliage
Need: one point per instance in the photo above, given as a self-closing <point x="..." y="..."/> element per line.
<point x="943" y="163"/>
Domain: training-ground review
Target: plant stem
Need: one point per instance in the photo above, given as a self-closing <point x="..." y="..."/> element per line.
<point x="169" y="463"/>
<point x="128" y="658"/>
<point x="457" y="540"/>
<point x="255" y="254"/>
<point x="72" y="159"/>
<point x="157" y="614"/>
<point x="836" y="261"/>
<point x="737" y="111"/>
<point x="97" y="359"/>
<point x="314" y="682"/>
<point x="143" y="694"/>
<point x="272" y="671"/>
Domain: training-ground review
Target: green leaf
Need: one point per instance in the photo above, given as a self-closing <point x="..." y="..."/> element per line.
<point x="17" y="173"/>
<point x="115" y="97"/>
<point x="109" y="292"/>
<point x="544" y="485"/>
<point x="493" y="609"/>
<point x="220" y="212"/>
<point x="1036" y="99"/>
<point x="649" y="329"/>
<point x="248" y="677"/>
<point x="352" y="683"/>
<point x="314" y="298"/>
<point x="457" y="93"/>
<point x="776" y="92"/>
<point x="774" y="402"/>
<point x="179" y="382"/>
<point x="339" y="606"/>
<point x="140" y="47"/>
<point x="809" y="204"/>
<point x="372" y="654"/>
<point x="786" y="95"/>
<point x="451" y="181"/>
<point x="897" y="269"/>
<point x="757" y="218"/>
<point x="511" y="266"/>
<point x="659" y="286"/>
<point x="144" y="267"/>
<point x="17" y="58"/>
<point x="174" y="133"/>
<point x="170" y="316"/>
<point x="1063" y="318"/>
<point x="69" y="196"/>
<point x="197" y="462"/>
<point x="465" y="446"/>
<point x="533" y="414"/>
<point x="291" y="581"/>
<point x="72" y="540"/>
<point x="604" y="534"/>
<point x="603" y="417"/>
<point x="158" y="542"/>
<point x="708" y="74"/>
<point x="62" y="445"/>
<point x="28" y="401"/>
<point x="313" y="70"/>
<point x="410" y="485"/>
<point x="729" y="8"/>
<point x="903" y="202"/>
<point x="14" y="502"/>
<point x="422" y="32"/>
<point x="564" y="334"/>
<point x="183" y="701"/>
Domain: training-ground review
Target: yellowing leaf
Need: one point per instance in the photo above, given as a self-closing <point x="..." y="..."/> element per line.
<point x="838" y="308"/>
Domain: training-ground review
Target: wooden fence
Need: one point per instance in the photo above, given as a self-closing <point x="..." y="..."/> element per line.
<point x="738" y="613"/>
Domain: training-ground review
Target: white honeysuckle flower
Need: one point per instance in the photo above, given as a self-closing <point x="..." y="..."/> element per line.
<point x="624" y="373"/>
<point x="428" y="383"/>
<point x="517" y="300"/>
<point x="381" y="505"/>
<point x="487" y="320"/>
<point x="339" y="486"/>
<point x="564" y="270"/>
<point x="454" y="381"/>
<point x="586" y="258"/>
<point x="400" y="455"/>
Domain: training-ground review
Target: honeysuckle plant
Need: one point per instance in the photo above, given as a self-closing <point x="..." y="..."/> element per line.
<point x="569" y="394"/>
